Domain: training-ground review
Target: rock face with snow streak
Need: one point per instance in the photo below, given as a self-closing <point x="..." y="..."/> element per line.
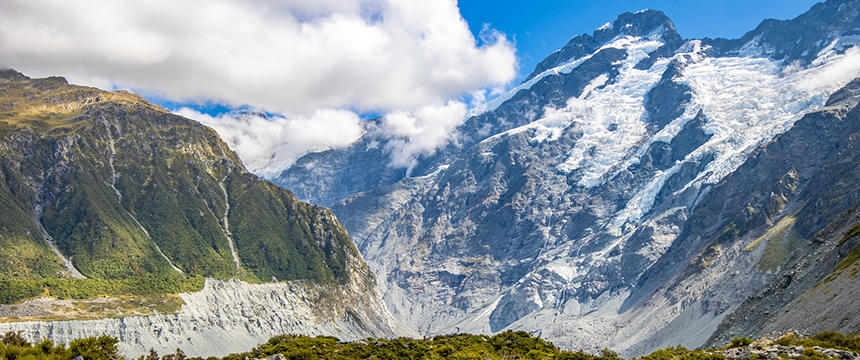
<point x="622" y="195"/>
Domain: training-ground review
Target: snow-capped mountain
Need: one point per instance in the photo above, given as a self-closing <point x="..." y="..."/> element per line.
<point x="632" y="192"/>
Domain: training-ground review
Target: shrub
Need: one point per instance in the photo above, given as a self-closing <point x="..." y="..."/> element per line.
<point x="15" y="339"/>
<point x="810" y="354"/>
<point x="837" y="340"/>
<point x="579" y="355"/>
<point x="741" y="341"/>
<point x="787" y="340"/>
<point x="100" y="348"/>
<point x="607" y="353"/>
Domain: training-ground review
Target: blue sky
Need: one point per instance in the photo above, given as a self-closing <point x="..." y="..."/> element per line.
<point x="540" y="27"/>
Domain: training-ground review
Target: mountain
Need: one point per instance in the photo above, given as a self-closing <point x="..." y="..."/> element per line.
<point x="815" y="289"/>
<point x="106" y="194"/>
<point x="634" y="191"/>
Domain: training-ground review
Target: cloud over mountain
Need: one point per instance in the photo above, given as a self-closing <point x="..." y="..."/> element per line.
<point x="290" y="57"/>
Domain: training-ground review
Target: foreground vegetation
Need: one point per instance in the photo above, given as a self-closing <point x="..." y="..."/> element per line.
<point x="14" y="347"/>
<point x="508" y="345"/>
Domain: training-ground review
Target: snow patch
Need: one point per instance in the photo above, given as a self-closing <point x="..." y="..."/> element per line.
<point x="70" y="268"/>
<point x="226" y="222"/>
<point x="748" y="101"/>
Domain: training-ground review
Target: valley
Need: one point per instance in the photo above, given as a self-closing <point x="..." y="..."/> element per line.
<point x="638" y="191"/>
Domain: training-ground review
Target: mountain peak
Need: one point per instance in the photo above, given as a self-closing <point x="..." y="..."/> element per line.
<point x="641" y="23"/>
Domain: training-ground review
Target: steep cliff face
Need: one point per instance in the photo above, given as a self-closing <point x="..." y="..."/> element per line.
<point x="106" y="194"/>
<point x="633" y="191"/>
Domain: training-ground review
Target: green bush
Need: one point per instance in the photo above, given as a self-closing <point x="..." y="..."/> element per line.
<point x="13" y="347"/>
<point x="787" y="340"/>
<point x="15" y="339"/>
<point x="102" y="347"/>
<point x="810" y="354"/>
<point x="741" y="341"/>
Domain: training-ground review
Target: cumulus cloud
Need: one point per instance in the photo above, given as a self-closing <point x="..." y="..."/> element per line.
<point x="292" y="57"/>
<point x="269" y="144"/>
<point x="421" y="132"/>
<point x="287" y="57"/>
<point x="841" y="68"/>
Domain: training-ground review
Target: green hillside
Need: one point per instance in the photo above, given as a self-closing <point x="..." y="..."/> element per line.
<point x="105" y="193"/>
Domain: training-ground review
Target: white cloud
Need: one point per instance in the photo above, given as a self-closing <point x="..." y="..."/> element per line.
<point x="267" y="145"/>
<point x="841" y="67"/>
<point x="403" y="53"/>
<point x="421" y="132"/>
<point x="292" y="57"/>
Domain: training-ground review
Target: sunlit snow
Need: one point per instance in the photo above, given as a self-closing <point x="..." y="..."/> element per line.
<point x="611" y="117"/>
<point x="620" y="41"/>
<point x="746" y="101"/>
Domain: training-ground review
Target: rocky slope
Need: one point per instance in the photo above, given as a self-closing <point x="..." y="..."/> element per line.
<point x="815" y="291"/>
<point x="632" y="192"/>
<point x="104" y="193"/>
<point x="748" y="225"/>
<point x="342" y="172"/>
